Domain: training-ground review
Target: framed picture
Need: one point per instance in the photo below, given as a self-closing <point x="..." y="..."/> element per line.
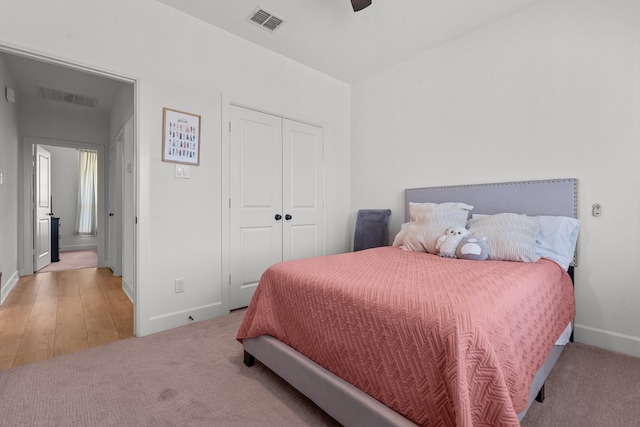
<point x="180" y="137"/>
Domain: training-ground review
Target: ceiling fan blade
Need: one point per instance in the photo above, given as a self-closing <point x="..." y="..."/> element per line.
<point x="360" y="4"/>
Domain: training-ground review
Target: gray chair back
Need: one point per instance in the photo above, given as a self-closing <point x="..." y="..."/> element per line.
<point x="372" y="229"/>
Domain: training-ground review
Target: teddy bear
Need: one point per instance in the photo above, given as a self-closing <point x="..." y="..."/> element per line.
<point x="471" y="247"/>
<point x="449" y="241"/>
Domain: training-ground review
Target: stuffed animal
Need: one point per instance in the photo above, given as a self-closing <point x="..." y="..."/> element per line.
<point x="472" y="247"/>
<point x="449" y="241"/>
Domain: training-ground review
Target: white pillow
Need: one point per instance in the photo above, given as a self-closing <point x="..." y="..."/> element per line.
<point x="511" y="237"/>
<point x="429" y="221"/>
<point x="557" y="239"/>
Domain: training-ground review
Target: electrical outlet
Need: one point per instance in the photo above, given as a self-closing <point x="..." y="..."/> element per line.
<point x="179" y="285"/>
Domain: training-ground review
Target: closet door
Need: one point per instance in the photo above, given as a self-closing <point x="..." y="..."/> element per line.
<point x="302" y="192"/>
<point x="256" y="200"/>
<point x="276" y="206"/>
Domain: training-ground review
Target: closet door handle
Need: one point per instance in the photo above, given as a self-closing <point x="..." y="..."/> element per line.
<point x="288" y="217"/>
<point x="278" y="217"/>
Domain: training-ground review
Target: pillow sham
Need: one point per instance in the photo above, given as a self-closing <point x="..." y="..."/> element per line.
<point x="429" y="221"/>
<point x="511" y="237"/>
<point x="557" y="239"/>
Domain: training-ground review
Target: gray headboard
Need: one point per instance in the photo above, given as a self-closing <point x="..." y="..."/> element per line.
<point x="547" y="197"/>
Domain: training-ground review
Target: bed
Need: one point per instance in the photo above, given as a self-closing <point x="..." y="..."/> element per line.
<point x="371" y="349"/>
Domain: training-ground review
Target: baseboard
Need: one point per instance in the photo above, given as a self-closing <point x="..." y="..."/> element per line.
<point x="128" y="290"/>
<point x="8" y="286"/>
<point x="609" y="340"/>
<point x="71" y="248"/>
<point x="181" y="318"/>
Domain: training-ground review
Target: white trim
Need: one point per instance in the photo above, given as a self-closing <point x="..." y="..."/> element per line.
<point x="614" y="341"/>
<point x="73" y="248"/>
<point x="128" y="290"/>
<point x="142" y="183"/>
<point x="8" y="286"/>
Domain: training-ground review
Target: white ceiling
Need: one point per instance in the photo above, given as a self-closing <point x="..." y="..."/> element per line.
<point x="28" y="73"/>
<point x="328" y="36"/>
<point x="323" y="34"/>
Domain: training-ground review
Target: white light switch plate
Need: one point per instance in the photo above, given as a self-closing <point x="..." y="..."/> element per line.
<point x="182" y="171"/>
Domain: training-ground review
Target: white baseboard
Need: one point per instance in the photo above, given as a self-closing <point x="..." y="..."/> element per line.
<point x="128" y="289"/>
<point x="8" y="286"/>
<point x="71" y="248"/>
<point x="181" y="318"/>
<point x="609" y="340"/>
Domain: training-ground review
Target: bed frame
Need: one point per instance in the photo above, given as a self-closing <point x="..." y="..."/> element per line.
<point x="349" y="405"/>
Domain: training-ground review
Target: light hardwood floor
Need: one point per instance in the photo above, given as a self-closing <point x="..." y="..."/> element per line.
<point x="50" y="314"/>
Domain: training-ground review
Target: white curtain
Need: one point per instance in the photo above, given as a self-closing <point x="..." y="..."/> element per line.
<point x="87" y="210"/>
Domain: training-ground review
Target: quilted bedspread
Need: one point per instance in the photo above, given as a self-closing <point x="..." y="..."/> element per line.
<point x="441" y="341"/>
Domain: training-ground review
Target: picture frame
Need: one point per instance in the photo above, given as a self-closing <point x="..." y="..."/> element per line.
<point x="180" y="137"/>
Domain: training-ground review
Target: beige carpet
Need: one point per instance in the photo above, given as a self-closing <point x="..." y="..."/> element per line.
<point x="194" y="376"/>
<point x="73" y="260"/>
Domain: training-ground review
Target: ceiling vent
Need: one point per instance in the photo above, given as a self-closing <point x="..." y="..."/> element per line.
<point x="68" y="97"/>
<point x="265" y="19"/>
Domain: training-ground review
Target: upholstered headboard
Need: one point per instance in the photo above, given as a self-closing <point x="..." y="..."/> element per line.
<point x="547" y="197"/>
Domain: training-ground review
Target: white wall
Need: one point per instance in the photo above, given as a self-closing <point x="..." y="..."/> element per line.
<point x="9" y="188"/>
<point x="185" y="64"/>
<point x="551" y="92"/>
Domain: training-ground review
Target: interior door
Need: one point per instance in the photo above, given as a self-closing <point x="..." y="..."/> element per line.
<point x="256" y="215"/>
<point x="302" y="191"/>
<point x="42" y="211"/>
<point x="114" y="222"/>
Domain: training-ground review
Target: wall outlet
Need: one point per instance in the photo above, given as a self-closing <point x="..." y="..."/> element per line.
<point x="179" y="285"/>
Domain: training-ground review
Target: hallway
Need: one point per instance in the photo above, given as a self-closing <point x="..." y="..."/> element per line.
<point x="50" y="314"/>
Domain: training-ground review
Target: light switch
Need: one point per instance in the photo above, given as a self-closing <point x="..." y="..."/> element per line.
<point x="182" y="171"/>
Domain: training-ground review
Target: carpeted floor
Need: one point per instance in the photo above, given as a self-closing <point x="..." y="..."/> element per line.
<point x="73" y="260"/>
<point x="194" y="376"/>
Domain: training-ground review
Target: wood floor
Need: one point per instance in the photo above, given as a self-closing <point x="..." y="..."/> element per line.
<point x="50" y="314"/>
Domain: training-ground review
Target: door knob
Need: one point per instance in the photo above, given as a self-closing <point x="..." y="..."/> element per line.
<point x="278" y="217"/>
<point x="288" y="217"/>
<point x="110" y="214"/>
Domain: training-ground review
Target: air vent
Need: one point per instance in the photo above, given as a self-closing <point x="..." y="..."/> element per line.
<point x="68" y="97"/>
<point x="265" y="19"/>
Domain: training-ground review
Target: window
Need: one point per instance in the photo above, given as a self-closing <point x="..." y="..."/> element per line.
<point x="87" y="210"/>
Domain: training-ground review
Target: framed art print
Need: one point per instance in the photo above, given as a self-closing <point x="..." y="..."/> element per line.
<point x="180" y="137"/>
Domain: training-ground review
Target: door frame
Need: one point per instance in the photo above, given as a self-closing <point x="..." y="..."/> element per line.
<point x="28" y="235"/>
<point x="139" y="79"/>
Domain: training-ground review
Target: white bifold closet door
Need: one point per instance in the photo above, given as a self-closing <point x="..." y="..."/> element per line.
<point x="276" y="196"/>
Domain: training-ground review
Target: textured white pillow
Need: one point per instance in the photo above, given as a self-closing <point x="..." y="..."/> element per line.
<point x="557" y="239"/>
<point x="428" y="222"/>
<point x="511" y="237"/>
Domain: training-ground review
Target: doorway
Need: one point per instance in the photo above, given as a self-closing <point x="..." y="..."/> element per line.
<point x="72" y="178"/>
<point x="62" y="125"/>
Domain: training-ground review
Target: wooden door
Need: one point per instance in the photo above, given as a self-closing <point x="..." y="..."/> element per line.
<point x="42" y="211"/>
